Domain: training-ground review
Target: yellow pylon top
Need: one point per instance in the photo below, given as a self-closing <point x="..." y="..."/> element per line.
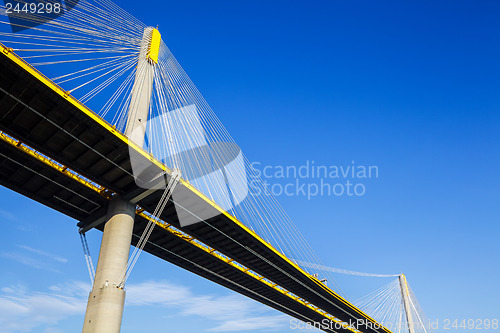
<point x="154" y="46"/>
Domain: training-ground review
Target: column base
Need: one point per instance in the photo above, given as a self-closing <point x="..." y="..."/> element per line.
<point x="104" y="310"/>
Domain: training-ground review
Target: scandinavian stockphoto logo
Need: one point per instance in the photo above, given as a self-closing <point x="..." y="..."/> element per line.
<point x="26" y="14"/>
<point x="217" y="169"/>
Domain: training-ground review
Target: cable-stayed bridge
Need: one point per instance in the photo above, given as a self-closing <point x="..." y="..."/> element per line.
<point x="155" y="168"/>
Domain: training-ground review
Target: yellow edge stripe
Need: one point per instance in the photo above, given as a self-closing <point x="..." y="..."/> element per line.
<point x="406" y="285"/>
<point x="53" y="164"/>
<point x="49" y="83"/>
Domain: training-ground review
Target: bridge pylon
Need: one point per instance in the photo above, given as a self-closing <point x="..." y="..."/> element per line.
<point x="405" y="293"/>
<point x="107" y="298"/>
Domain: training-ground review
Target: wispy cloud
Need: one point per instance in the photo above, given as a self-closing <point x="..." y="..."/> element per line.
<point x="230" y="313"/>
<point x="22" y="310"/>
<point x="35" y="258"/>
<point x="7" y="215"/>
<point x="14" y="221"/>
<point x="52" y="256"/>
<point x="261" y="323"/>
<point x="26" y="260"/>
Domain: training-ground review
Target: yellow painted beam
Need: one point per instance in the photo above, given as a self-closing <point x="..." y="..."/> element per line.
<point x="154" y="46"/>
<point x="55" y="165"/>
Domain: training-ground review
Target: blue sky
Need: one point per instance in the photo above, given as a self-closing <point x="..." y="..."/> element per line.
<point x="409" y="87"/>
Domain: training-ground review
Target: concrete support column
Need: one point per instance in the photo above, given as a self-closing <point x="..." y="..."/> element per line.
<point x="105" y="303"/>
<point x="141" y="93"/>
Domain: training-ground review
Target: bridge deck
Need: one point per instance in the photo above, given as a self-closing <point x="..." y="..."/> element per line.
<point x="57" y="152"/>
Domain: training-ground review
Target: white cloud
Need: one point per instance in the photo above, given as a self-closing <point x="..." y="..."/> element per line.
<point x="21" y="225"/>
<point x="149" y="293"/>
<point x="26" y="260"/>
<point x="230" y="313"/>
<point x="7" y="215"/>
<point x="17" y="289"/>
<point x="266" y="323"/>
<point x="35" y="258"/>
<point x="22" y="310"/>
<point x="76" y="289"/>
<point x="52" y="256"/>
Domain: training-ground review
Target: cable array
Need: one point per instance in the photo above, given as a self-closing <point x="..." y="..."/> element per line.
<point x="90" y="51"/>
<point x="386" y="306"/>
<point x="339" y="270"/>
<point x="185" y="133"/>
<point x="149" y="227"/>
<point x="88" y="258"/>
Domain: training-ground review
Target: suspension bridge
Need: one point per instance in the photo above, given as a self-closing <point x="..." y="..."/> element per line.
<point x="154" y="167"/>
